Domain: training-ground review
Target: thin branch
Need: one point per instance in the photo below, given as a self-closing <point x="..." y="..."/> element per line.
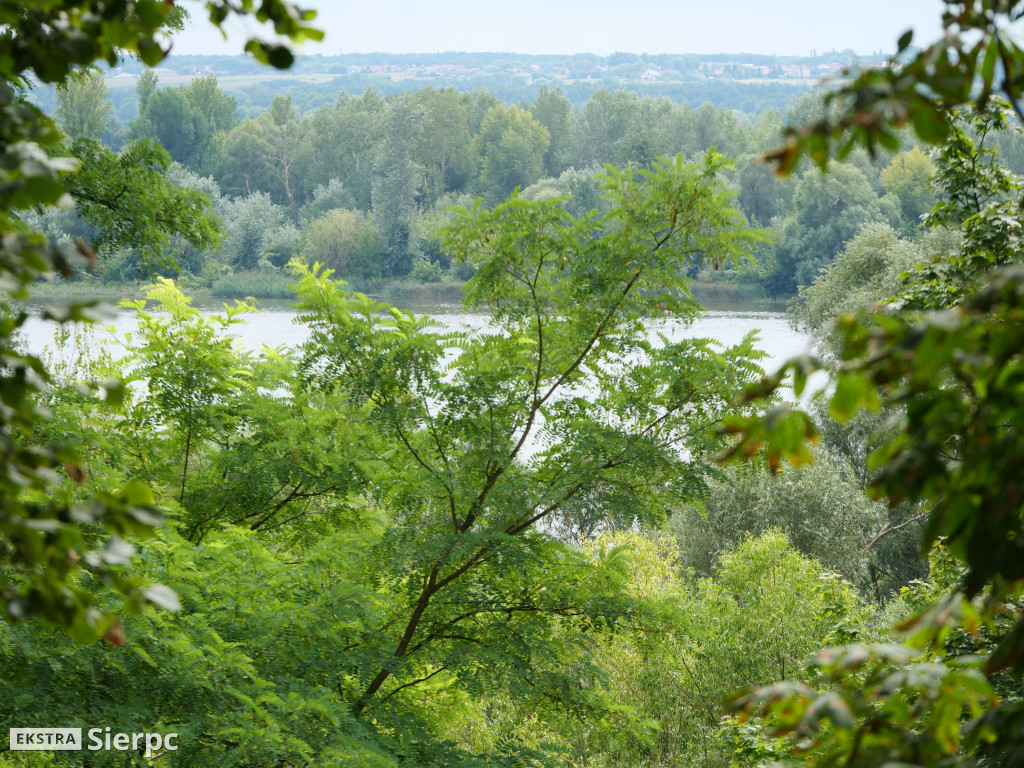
<point x="892" y="529"/>
<point x="417" y="681"/>
<point x="595" y="336"/>
<point x="413" y="451"/>
<point x="537" y="403"/>
<point x="700" y="694"/>
<point x="447" y="465"/>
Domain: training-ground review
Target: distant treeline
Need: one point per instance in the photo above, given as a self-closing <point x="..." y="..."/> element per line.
<point x="748" y="83"/>
<point x="363" y="183"/>
<point x="751" y="98"/>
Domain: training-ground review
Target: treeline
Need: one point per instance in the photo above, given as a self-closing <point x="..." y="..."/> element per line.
<point x="751" y="98"/>
<point x="363" y="184"/>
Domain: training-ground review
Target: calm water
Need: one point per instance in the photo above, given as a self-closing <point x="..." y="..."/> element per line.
<point x="274" y="325"/>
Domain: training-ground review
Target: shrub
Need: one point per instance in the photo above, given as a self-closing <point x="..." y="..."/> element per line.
<point x="426" y="272"/>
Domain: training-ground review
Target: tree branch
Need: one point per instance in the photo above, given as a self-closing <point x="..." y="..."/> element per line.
<point x="411" y="683"/>
<point x="892" y="529"/>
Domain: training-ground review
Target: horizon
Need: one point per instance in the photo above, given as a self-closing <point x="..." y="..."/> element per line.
<point x="321" y="54"/>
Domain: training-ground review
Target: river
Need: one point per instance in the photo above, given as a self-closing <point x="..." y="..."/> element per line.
<point x="275" y="325"/>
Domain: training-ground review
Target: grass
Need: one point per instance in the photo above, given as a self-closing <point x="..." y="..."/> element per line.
<point x="258" y="285"/>
<point x="404" y="290"/>
<point x="707" y="289"/>
<point x="86" y="289"/>
<point x="238" y="286"/>
<point x="710" y="292"/>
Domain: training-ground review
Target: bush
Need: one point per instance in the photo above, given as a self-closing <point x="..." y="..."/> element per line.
<point x="210" y="273"/>
<point x="119" y="266"/>
<point x="820" y="507"/>
<point x="427" y="272"/>
<point x="344" y="241"/>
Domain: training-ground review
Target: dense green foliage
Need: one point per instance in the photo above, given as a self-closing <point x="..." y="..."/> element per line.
<point x="127" y="200"/>
<point x="401" y="546"/>
<point x="83" y="109"/>
<point x="360" y="532"/>
<point x="186" y="120"/>
<point x="945" y="362"/>
<point x="46" y="540"/>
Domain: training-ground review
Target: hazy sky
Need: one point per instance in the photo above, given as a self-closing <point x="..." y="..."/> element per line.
<point x="596" y="26"/>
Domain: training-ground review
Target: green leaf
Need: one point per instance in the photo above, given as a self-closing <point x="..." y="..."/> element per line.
<point x="138" y="494"/>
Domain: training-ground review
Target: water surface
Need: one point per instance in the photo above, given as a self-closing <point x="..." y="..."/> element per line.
<point x="274" y="325"/>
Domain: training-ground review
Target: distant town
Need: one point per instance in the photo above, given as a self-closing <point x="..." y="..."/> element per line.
<point x="648" y="68"/>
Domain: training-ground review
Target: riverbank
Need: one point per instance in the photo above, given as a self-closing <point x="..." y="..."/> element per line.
<point x="711" y="292"/>
<point x="241" y="286"/>
<point x="714" y="292"/>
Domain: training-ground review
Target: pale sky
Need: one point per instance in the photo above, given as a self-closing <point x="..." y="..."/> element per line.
<point x="781" y="27"/>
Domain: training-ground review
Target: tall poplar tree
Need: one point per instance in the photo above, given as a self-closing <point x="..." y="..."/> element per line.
<point x="397" y="179"/>
<point x="83" y="108"/>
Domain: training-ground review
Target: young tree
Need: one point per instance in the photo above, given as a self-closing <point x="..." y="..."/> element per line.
<point x="246" y="165"/>
<point x="761" y="193"/>
<point x="326" y="198"/>
<point x="600" y="126"/>
<point x="250" y="222"/>
<point x="443" y="140"/>
<point x="340" y="142"/>
<point x="285" y="127"/>
<point x="866" y="273"/>
<point x="185" y="120"/>
<point x="511" y="145"/>
<point x="564" y="399"/>
<point x="145" y="87"/>
<point x="552" y="109"/>
<point x="169" y="119"/>
<point x="345" y="242"/>
<point x="908" y="177"/>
